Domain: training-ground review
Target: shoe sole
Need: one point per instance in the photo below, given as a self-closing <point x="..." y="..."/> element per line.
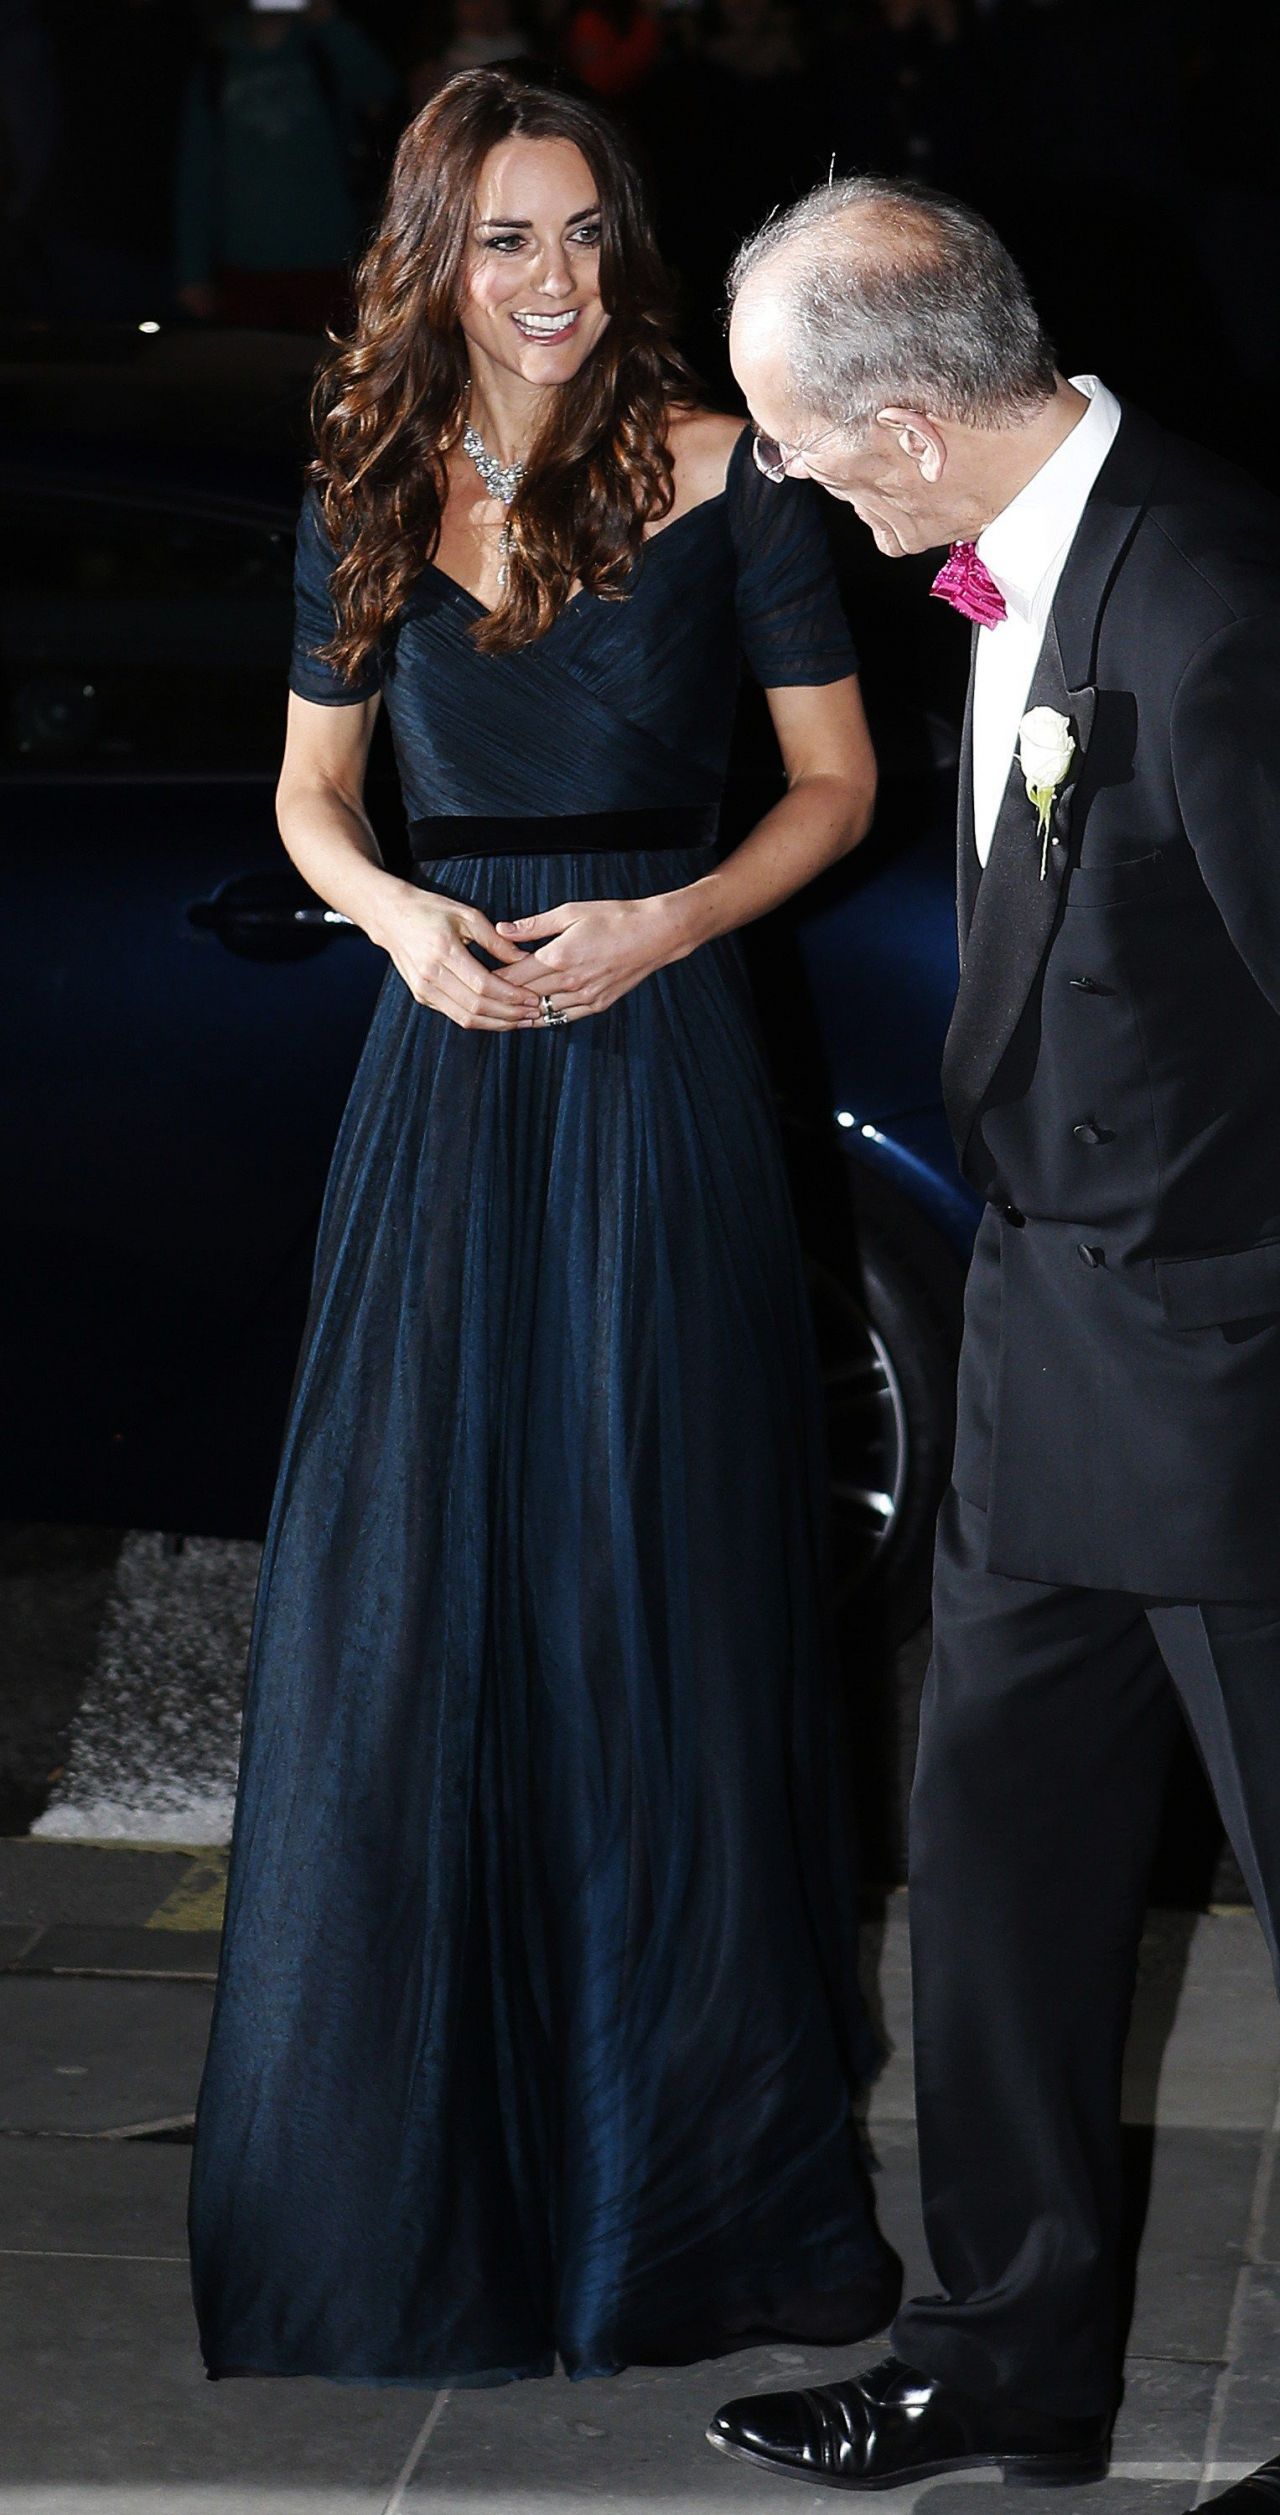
<point x="1033" y="2471"/>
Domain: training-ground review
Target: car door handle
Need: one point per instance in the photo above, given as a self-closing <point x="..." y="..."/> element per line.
<point x="268" y="917"/>
<point x="219" y="916"/>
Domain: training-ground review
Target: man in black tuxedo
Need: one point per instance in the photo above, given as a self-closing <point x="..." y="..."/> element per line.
<point x="1110" y="1544"/>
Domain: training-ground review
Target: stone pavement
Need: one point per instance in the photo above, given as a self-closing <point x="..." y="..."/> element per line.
<point x="107" y="1957"/>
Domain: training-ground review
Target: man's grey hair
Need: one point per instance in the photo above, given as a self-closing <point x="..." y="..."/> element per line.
<point x="894" y="297"/>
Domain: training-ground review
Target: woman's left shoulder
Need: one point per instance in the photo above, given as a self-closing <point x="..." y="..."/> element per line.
<point x="702" y="445"/>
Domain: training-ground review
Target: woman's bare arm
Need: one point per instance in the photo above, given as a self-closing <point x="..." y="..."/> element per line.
<point x="831" y="791"/>
<point x="328" y="835"/>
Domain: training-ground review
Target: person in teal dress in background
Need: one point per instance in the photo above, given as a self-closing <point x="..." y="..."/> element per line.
<point x="276" y="121"/>
<point x="537" y="2034"/>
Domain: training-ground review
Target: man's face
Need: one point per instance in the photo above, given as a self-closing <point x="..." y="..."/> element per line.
<point x="876" y="474"/>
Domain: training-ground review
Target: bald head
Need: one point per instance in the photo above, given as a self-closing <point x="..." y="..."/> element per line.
<point x="869" y="294"/>
<point x="885" y="339"/>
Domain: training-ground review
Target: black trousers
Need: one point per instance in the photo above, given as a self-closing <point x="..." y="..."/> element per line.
<point x="1048" y="1720"/>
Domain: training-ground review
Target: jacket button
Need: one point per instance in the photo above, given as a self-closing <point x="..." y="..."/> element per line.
<point x="1014" y="1214"/>
<point x="1088" y="1132"/>
<point x="1090" y="1257"/>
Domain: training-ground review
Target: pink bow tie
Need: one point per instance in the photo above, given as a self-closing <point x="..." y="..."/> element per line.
<point x="969" y="587"/>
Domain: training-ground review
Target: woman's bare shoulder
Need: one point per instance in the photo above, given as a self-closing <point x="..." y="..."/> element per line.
<point x="702" y="443"/>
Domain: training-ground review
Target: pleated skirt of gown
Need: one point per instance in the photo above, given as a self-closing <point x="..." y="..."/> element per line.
<point x="537" y="2018"/>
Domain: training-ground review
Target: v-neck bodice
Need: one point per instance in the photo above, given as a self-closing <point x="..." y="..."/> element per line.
<point x="433" y="567"/>
<point x="624" y="704"/>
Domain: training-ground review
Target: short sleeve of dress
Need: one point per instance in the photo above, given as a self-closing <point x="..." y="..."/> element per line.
<point x="314" y="620"/>
<point x="790" y="618"/>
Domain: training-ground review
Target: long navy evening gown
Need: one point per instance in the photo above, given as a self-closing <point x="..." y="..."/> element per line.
<point x="537" y="2022"/>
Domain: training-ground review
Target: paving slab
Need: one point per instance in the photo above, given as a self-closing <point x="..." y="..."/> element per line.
<point x="102" y="2391"/>
<point x="1249" y="2425"/>
<point x="77" y="1947"/>
<point x="1169" y="2491"/>
<point x="1165" y="2418"/>
<point x="44" y="1884"/>
<point x="1265" y="2246"/>
<point x="195" y="2498"/>
<point x="92" y="2197"/>
<point x="86" y="2057"/>
<point x="629" y="2441"/>
<point x="1205" y="2045"/>
<point x="1199" y="2209"/>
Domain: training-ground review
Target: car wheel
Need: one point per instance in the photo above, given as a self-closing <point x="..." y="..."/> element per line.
<point x="888" y="1337"/>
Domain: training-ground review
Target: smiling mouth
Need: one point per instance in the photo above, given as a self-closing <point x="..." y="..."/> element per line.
<point x="547" y="327"/>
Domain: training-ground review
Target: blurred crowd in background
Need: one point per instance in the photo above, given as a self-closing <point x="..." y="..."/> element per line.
<point x="185" y="160"/>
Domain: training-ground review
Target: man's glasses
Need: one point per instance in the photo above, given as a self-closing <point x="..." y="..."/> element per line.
<point x="774" y="459"/>
<point x="771" y="458"/>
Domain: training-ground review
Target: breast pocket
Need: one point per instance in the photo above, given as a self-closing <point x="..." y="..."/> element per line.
<point x="1155" y="875"/>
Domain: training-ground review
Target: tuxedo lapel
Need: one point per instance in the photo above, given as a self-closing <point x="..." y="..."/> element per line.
<point x="1007" y="932"/>
<point x="1016" y="909"/>
<point x="1118" y="497"/>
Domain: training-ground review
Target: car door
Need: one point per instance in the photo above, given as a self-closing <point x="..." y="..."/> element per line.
<point x="180" y="1017"/>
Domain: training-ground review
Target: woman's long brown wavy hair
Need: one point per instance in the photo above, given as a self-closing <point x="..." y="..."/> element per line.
<point x="390" y="403"/>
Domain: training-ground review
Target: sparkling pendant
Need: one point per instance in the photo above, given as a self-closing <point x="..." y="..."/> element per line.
<point x="502" y="480"/>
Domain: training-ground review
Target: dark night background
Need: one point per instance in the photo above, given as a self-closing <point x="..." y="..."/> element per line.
<point x="1126" y="147"/>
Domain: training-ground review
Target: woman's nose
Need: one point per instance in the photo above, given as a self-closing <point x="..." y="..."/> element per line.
<point x="557" y="278"/>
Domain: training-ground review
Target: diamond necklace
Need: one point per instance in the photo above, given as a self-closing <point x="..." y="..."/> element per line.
<point x="502" y="480"/>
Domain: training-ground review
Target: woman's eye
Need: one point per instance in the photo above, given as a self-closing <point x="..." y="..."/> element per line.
<point x="585" y="239"/>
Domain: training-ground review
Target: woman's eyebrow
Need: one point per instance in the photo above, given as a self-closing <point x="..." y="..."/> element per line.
<point x="527" y="223"/>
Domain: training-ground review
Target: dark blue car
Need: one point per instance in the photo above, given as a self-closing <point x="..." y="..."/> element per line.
<point x="182" y="1017"/>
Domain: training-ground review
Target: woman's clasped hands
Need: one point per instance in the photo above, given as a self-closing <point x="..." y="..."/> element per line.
<point x="433" y="943"/>
<point x="588" y="953"/>
<point x="582" y="957"/>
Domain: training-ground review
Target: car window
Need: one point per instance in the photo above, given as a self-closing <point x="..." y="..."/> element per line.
<point x="137" y="640"/>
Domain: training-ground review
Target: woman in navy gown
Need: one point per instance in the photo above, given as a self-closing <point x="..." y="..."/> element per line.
<point x="537" y="2027"/>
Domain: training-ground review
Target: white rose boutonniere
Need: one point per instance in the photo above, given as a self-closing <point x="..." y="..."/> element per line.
<point x="1046" y="749"/>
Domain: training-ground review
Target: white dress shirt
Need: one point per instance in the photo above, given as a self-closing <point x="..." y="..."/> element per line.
<point x="1026" y="551"/>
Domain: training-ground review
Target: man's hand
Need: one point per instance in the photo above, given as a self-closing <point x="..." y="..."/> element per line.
<point x="592" y="951"/>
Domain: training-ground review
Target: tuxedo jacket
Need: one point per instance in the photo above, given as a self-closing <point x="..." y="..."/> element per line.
<point x="1112" y="1071"/>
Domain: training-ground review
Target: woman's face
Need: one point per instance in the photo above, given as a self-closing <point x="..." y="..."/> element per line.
<point x="531" y="303"/>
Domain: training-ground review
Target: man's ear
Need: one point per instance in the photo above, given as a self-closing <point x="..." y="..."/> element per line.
<point x="919" y="439"/>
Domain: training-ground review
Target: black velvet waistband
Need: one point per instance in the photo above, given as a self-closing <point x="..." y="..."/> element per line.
<point x="561" y="833"/>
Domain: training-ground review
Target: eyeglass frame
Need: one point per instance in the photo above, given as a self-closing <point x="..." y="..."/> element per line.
<point x="776" y="472"/>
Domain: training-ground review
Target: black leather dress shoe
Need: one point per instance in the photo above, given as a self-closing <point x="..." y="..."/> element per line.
<point x="889" y="2425"/>
<point x="1258" y="2495"/>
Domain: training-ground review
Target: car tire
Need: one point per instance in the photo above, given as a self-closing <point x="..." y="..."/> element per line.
<point x="887" y="1309"/>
